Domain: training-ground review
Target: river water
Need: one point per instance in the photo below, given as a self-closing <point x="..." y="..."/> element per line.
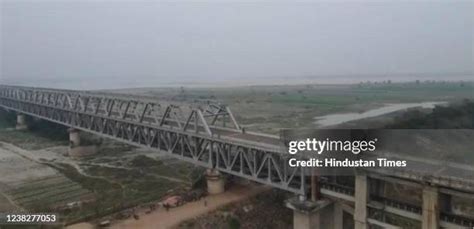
<point x="335" y="119"/>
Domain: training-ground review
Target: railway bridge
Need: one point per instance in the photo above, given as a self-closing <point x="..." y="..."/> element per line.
<point x="208" y="135"/>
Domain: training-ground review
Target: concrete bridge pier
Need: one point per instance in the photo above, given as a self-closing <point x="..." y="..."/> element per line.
<point x="338" y="217"/>
<point x="74" y="137"/>
<point x="76" y="149"/>
<point x="215" y="181"/>
<point x="21" y="122"/>
<point x="361" y="199"/>
<point x="430" y="214"/>
<point x="311" y="214"/>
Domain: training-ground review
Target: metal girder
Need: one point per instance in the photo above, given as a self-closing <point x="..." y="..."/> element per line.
<point x="216" y="112"/>
<point x="184" y="135"/>
<point x="138" y="110"/>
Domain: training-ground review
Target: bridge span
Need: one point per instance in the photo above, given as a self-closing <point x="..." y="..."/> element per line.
<point x="209" y="135"/>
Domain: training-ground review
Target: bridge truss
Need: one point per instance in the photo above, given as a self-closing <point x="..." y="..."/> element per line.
<point x="194" y="134"/>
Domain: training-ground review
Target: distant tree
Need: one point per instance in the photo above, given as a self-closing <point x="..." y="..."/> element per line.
<point x="457" y="116"/>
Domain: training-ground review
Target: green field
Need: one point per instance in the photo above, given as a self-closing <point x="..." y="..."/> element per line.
<point x="117" y="178"/>
<point x="48" y="193"/>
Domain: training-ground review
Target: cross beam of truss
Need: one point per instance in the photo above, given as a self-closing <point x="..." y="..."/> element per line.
<point x="184" y="133"/>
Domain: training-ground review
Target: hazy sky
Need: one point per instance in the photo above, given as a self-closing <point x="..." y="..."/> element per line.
<point x="149" y="43"/>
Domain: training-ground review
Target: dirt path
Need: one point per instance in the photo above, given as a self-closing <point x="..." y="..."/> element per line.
<point x="161" y="219"/>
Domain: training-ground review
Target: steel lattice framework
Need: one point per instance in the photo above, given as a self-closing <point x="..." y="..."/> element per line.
<point x="195" y="134"/>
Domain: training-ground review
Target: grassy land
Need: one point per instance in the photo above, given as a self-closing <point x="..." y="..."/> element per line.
<point x="135" y="185"/>
<point x="182" y="171"/>
<point x="106" y="194"/>
<point x="48" y="193"/>
<point x="115" y="189"/>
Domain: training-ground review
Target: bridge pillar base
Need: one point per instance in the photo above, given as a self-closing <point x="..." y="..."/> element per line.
<point x="76" y="150"/>
<point x="21" y="122"/>
<point x="430" y="218"/>
<point x="338" y="217"/>
<point x="215" y="182"/>
<point x="74" y="137"/>
<point x="311" y="214"/>
<point x="82" y="151"/>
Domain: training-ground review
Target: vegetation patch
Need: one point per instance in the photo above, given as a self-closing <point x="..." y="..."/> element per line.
<point x="457" y="116"/>
<point x="170" y="168"/>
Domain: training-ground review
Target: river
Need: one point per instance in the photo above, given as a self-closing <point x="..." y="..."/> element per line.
<point x="335" y="119"/>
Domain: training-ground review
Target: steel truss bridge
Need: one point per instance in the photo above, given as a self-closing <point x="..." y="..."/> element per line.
<point x="205" y="134"/>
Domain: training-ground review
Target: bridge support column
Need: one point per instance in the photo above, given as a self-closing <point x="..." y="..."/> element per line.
<point x="430" y="218"/>
<point x="310" y="214"/>
<point x="338" y="216"/>
<point x="74" y="137"/>
<point x="21" y="122"/>
<point x="361" y="197"/>
<point x="215" y="182"/>
<point x="76" y="150"/>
